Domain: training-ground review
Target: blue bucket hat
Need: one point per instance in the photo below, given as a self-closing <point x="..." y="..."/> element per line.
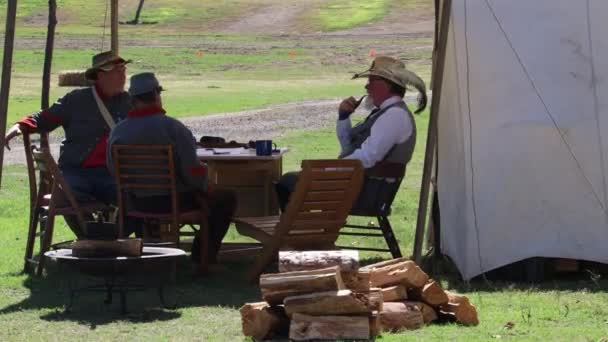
<point x="144" y="82"/>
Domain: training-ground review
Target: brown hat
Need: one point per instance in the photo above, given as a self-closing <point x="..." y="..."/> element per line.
<point x="104" y="61"/>
<point x="394" y="71"/>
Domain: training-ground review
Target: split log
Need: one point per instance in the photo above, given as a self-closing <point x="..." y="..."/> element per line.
<point x="396" y="271"/>
<point x="261" y="321"/>
<point x="394" y="293"/>
<point x="277" y="286"/>
<point x="304" y="327"/>
<point x="396" y="316"/>
<point x="290" y="261"/>
<point x="428" y="312"/>
<point x="431" y="293"/>
<point x="334" y="303"/>
<point x="460" y="308"/>
<point x="107" y="248"/>
<point x="357" y="281"/>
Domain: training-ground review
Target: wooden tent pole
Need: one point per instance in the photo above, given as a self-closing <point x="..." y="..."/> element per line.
<point x="7" y="64"/>
<point x="429" y="154"/>
<point x="48" y="58"/>
<point x="114" y="24"/>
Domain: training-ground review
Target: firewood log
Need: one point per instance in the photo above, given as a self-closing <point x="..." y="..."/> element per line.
<point x="460" y="308"/>
<point x="304" y="327"/>
<point x="396" y="316"/>
<point x="357" y="281"/>
<point x="375" y="326"/>
<point x="261" y="321"/>
<point x="290" y="261"/>
<point x="107" y="248"/>
<point x="428" y="312"/>
<point x="431" y="293"/>
<point x="394" y="293"/>
<point x="276" y="286"/>
<point x="396" y="271"/>
<point x="340" y="302"/>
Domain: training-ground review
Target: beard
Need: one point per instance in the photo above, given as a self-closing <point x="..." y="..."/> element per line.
<point x="368" y="103"/>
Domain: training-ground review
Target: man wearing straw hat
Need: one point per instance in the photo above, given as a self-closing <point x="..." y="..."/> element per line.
<point x="147" y="124"/>
<point x="388" y="133"/>
<point x="87" y="115"/>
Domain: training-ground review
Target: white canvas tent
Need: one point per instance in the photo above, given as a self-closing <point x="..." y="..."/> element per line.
<point x="523" y="132"/>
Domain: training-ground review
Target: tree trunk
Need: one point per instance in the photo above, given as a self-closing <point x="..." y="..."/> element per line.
<point x="135" y="20"/>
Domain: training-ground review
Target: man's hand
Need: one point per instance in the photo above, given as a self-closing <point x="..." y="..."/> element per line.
<point x="14" y="131"/>
<point x="347" y="107"/>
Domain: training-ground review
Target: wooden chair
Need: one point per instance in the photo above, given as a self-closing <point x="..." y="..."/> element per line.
<point x="61" y="202"/>
<point x="152" y="167"/>
<point x="40" y="193"/>
<point x="316" y="211"/>
<point x="381" y="208"/>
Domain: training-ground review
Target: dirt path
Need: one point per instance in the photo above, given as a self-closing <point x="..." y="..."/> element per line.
<point x="268" y="123"/>
<point x="272" y="19"/>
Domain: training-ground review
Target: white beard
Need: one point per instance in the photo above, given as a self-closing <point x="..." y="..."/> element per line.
<point x="368" y="103"/>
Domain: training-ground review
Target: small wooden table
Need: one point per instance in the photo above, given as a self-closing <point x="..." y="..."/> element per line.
<point x="249" y="175"/>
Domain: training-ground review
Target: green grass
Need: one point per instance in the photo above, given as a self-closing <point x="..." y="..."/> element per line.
<point x="344" y="14"/>
<point x="32" y="307"/>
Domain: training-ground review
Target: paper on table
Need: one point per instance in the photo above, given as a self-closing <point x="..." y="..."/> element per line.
<point x="239" y="151"/>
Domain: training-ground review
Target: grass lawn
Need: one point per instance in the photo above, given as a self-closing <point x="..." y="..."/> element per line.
<point x="31" y="308"/>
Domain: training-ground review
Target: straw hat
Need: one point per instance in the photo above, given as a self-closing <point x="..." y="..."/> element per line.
<point x="394" y="71"/>
<point x="104" y="61"/>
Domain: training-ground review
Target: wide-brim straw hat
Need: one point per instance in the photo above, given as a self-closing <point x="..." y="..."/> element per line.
<point x="394" y="70"/>
<point x="104" y="61"/>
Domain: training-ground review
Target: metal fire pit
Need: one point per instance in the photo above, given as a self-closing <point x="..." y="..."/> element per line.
<point x="156" y="264"/>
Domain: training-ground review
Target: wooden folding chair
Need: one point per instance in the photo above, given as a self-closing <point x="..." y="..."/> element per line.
<point x="316" y="211"/>
<point x="389" y="175"/>
<point x="40" y="194"/>
<point x="61" y="202"/>
<point x="152" y="167"/>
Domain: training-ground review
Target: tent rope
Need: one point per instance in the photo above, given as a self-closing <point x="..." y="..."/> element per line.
<point x="468" y="76"/>
<point x="595" y="101"/>
<point x="560" y="132"/>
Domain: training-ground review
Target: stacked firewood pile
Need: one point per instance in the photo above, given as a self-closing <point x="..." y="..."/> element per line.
<point x="326" y="295"/>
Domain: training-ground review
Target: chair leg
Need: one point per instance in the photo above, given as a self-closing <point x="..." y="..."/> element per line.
<point x="46" y="241"/>
<point x="31" y="240"/>
<point x="269" y="253"/>
<point x="203" y="234"/>
<point x="389" y="236"/>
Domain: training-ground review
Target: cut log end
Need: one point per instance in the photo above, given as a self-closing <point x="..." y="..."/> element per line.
<point x="73" y="79"/>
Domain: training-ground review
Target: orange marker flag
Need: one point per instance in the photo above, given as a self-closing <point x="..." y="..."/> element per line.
<point x="200" y="53"/>
<point x="291" y="53"/>
<point x="371" y="52"/>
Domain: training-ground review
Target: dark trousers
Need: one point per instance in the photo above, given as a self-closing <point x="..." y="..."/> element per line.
<point x="221" y="204"/>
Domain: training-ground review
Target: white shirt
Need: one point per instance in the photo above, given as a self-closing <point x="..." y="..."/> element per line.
<point x="391" y="128"/>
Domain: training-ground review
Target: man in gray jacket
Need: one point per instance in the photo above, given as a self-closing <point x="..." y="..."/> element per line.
<point x="80" y="113"/>
<point x="147" y="124"/>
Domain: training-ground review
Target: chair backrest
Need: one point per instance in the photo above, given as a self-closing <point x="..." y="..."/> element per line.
<point x="60" y="190"/>
<point x="389" y="176"/>
<point x="144" y="168"/>
<point x="320" y="203"/>
<point x="40" y="184"/>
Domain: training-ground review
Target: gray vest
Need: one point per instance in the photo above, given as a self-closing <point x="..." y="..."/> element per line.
<point x="399" y="153"/>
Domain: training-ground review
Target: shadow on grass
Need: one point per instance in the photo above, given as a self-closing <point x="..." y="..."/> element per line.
<point x="224" y="288"/>
<point x="534" y="274"/>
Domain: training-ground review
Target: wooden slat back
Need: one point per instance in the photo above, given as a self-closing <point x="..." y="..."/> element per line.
<point x="319" y="206"/>
<point x="144" y="167"/>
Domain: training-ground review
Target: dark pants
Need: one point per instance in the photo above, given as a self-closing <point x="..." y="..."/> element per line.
<point x="221" y="204"/>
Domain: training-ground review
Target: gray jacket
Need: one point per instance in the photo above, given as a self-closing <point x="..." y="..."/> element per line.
<point x="78" y="114"/>
<point x="159" y="129"/>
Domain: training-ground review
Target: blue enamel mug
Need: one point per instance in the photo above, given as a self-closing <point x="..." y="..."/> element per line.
<point x="264" y="147"/>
